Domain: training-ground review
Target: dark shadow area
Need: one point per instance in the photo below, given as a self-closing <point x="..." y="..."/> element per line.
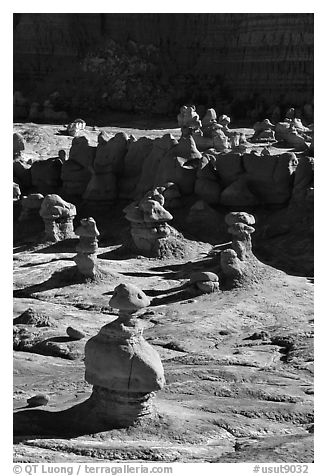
<point x="187" y="293"/>
<point x="124" y="252"/>
<point x="64" y="246"/>
<point x="20" y="248"/>
<point x="29" y="265"/>
<point x="207" y="264"/>
<point x="158" y="292"/>
<point x="145" y="275"/>
<point x="69" y="423"/>
<point x="65" y="277"/>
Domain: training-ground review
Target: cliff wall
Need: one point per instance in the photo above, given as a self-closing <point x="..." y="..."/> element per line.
<point x="252" y="55"/>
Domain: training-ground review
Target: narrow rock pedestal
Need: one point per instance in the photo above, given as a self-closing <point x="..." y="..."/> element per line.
<point x="86" y="258"/>
<point x="123" y="368"/>
<point x="238" y="262"/>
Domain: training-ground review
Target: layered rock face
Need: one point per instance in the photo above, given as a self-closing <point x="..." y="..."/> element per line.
<point x="123" y="368"/>
<point x="251" y="54"/>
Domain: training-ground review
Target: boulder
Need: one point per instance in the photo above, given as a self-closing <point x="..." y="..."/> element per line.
<point x="238" y="195"/>
<point x="81" y="152"/>
<point x="46" y="175"/>
<point x="152" y="162"/>
<point x="75" y="334"/>
<point x="102" y="186"/>
<point x="208" y="190"/>
<point x="133" y="162"/>
<point x="16" y="191"/>
<point x="303" y="177"/>
<point x="22" y="173"/>
<point x="110" y="153"/>
<point x="228" y="166"/>
<point x="179" y="165"/>
<point x="18" y="144"/>
<point x="271" y="177"/>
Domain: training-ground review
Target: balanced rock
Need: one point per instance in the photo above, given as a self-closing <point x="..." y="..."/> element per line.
<point x="123" y="368"/>
<point x="76" y="127"/>
<point x="238" y="262"/>
<point x="58" y="217"/>
<point x="205" y="281"/>
<point x="149" y="229"/>
<point x="86" y="258"/>
<point x="31" y="205"/>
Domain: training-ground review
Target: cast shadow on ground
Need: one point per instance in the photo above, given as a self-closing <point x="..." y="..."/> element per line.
<point x="173" y="296"/>
<point x="123" y="252"/>
<point x="70" y="423"/>
<point x="29" y="265"/>
<point x="184" y="270"/>
<point x="65" y="277"/>
<point x="64" y="246"/>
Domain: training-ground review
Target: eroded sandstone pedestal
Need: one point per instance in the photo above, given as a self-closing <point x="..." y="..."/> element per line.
<point x="150" y="231"/>
<point x="123" y="368"/>
<point x="86" y="258"/>
<point x="58" y="217"/>
<point x="238" y="263"/>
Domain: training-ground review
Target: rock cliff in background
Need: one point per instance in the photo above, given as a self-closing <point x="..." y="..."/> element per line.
<point x="232" y="60"/>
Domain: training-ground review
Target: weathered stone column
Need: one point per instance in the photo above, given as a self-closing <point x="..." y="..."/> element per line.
<point x="86" y="258"/>
<point x="58" y="217"/>
<point x="148" y="220"/>
<point x="236" y="262"/>
<point x="123" y="368"/>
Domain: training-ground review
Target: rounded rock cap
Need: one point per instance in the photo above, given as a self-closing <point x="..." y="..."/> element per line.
<point x="128" y="297"/>
<point x="203" y="276"/>
<point x="239" y="217"/>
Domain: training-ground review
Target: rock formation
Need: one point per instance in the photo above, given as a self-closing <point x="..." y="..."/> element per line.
<point x="58" y="217"/>
<point x="123" y="368"/>
<point x="294" y="134"/>
<point x="16" y="192"/>
<point x="76" y="171"/>
<point x="238" y="263"/>
<point x="45" y="175"/>
<point x="18" y="144"/>
<point x="188" y="120"/>
<point x="205" y="281"/>
<point x="149" y="228"/>
<point x="31" y="205"/>
<point x="76" y="127"/>
<point x="264" y="131"/>
<point x="86" y="258"/>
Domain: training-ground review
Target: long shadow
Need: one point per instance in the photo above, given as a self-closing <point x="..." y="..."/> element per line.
<point x="122" y="253"/>
<point x="29" y="265"/>
<point x="146" y="275"/>
<point x="64" y="246"/>
<point x="72" y="422"/>
<point x="187" y="293"/>
<point x="65" y="277"/>
<point x="190" y="266"/>
<point x="158" y="292"/>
